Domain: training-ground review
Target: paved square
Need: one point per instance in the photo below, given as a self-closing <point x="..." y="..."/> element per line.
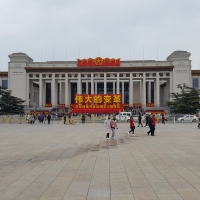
<point x="76" y="162"/>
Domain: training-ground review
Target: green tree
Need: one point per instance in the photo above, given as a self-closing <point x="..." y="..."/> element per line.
<point x="187" y="101"/>
<point x="10" y="104"/>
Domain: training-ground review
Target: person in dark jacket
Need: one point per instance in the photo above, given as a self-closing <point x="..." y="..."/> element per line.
<point x="49" y="118"/>
<point x="154" y="125"/>
<point x="132" y="126"/>
<point x="150" y="123"/>
<point x="163" y="119"/>
<point x="146" y="119"/>
<point x="65" y="117"/>
<point x="83" y="118"/>
<point x="140" y="120"/>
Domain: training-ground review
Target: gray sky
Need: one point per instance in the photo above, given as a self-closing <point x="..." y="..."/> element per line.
<point x="108" y="28"/>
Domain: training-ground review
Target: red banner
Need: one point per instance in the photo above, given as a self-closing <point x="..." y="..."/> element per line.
<point x="150" y="105"/>
<point x="97" y="103"/>
<point x="137" y="105"/>
<point x="98" y="99"/>
<point x="48" y="105"/>
<point x="98" y="61"/>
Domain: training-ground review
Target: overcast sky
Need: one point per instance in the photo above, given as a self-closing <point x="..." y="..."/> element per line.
<point x="48" y="30"/>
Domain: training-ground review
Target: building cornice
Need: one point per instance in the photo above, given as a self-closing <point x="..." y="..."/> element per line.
<point x="99" y="69"/>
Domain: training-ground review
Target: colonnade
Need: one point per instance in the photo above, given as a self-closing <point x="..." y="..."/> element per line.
<point x="65" y="87"/>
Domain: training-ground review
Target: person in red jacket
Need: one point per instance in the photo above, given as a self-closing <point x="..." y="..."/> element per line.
<point x="154" y="125"/>
<point x="132" y="126"/>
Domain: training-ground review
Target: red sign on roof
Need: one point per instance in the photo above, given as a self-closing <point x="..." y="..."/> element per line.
<point x="98" y="61"/>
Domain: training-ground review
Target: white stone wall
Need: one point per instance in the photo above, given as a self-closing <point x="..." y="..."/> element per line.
<point x="17" y="80"/>
<point x="182" y="68"/>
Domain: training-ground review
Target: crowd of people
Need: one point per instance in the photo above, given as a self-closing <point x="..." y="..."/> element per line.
<point x="111" y="124"/>
<point x="42" y="118"/>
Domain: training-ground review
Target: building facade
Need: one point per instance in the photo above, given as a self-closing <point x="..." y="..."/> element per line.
<point x="146" y="83"/>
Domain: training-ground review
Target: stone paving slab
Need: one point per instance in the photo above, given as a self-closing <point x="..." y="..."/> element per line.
<point x="77" y="162"/>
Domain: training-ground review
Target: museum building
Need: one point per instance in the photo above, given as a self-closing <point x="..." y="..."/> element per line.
<point x="141" y="83"/>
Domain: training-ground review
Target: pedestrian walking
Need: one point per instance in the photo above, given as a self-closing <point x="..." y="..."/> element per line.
<point x="163" y="119"/>
<point x="65" y="119"/>
<point x="83" y="118"/>
<point x="146" y="120"/>
<point x="49" y="118"/>
<point x="199" y="123"/>
<point x="154" y="125"/>
<point x="140" y="120"/>
<point x="132" y="126"/>
<point x="113" y="126"/>
<point x="150" y="123"/>
<point x="107" y="125"/>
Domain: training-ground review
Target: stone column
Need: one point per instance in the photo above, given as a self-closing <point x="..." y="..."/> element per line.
<point x="27" y="89"/>
<point x="79" y="88"/>
<point x="92" y="83"/>
<point x="122" y="91"/>
<point x="131" y="90"/>
<point x="170" y="86"/>
<point x="95" y="85"/>
<point x="105" y="84"/>
<point x="53" y="91"/>
<point x="66" y="90"/>
<point x="44" y="92"/>
<point x="118" y="91"/>
<point x="113" y="87"/>
<point x="40" y="90"/>
<point x="144" y="89"/>
<point x="56" y="92"/>
<point x="149" y="92"/>
<point x="87" y="91"/>
<point x="60" y="95"/>
<point x="157" y="89"/>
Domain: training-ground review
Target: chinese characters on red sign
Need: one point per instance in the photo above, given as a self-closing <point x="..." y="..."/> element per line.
<point x="98" y="61"/>
<point x="98" y="99"/>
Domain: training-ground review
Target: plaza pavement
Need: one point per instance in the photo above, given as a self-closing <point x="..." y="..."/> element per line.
<point x="76" y="162"/>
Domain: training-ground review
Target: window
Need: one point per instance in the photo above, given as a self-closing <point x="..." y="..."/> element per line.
<point x="5" y="84"/>
<point x="195" y="82"/>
